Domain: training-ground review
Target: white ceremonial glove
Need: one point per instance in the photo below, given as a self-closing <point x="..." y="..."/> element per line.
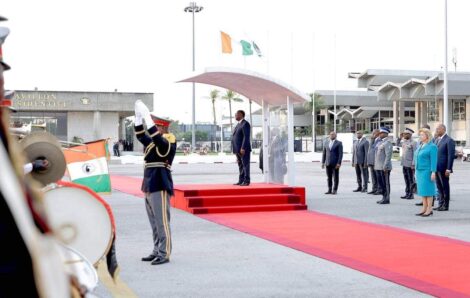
<point x="142" y="110"/>
<point x="138" y="120"/>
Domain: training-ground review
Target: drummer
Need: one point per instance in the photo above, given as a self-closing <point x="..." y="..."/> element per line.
<point x="160" y="149"/>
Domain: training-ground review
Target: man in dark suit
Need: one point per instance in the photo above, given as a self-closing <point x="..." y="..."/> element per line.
<point x="371" y="161"/>
<point x="241" y="147"/>
<point x="445" y="161"/>
<point x="359" y="161"/>
<point x="332" y="158"/>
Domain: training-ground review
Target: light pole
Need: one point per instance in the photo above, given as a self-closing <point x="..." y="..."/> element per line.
<point x="193" y="9"/>
<point x="446" y="93"/>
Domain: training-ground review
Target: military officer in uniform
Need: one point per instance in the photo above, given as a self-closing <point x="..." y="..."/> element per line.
<point x="408" y="148"/>
<point x="160" y="149"/>
<point x="383" y="164"/>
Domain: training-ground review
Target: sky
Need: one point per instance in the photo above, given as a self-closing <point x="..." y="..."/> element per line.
<point x="146" y="46"/>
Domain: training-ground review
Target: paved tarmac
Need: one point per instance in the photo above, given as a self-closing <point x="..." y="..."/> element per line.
<point x="210" y="260"/>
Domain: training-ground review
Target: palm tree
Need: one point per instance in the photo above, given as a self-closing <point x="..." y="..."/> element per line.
<point x="213" y="96"/>
<point x="231" y="96"/>
<point x="315" y="104"/>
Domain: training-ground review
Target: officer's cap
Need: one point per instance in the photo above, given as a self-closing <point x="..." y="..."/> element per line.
<point x="160" y="121"/>
<point x="385" y="130"/>
<point x="409" y="130"/>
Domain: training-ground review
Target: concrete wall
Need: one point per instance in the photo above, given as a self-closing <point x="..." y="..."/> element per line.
<point x="81" y="124"/>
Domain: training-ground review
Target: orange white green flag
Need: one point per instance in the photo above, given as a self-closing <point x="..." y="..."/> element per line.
<point x="87" y="164"/>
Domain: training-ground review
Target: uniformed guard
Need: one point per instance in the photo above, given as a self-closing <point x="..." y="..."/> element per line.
<point x="160" y="149"/>
<point x="408" y="148"/>
<point x="383" y="164"/>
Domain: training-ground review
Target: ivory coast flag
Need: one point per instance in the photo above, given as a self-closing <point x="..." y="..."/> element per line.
<point x="87" y="164"/>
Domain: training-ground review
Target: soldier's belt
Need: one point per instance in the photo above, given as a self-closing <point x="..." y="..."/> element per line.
<point x="157" y="165"/>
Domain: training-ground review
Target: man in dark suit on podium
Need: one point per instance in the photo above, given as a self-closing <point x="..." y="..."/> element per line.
<point x="241" y="147"/>
<point x="332" y="158"/>
<point x="445" y="161"/>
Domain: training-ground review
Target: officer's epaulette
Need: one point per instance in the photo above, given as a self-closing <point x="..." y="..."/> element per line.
<point x="170" y="137"/>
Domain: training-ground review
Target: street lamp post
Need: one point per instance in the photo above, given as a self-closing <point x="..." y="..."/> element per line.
<point x="446" y="92"/>
<point x="193" y="9"/>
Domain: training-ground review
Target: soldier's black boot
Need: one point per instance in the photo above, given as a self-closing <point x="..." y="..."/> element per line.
<point x="149" y="258"/>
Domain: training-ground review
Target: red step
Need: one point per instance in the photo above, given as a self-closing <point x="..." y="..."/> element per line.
<point x="253" y="208"/>
<point x="237" y="200"/>
<point x="240" y="190"/>
<point x="218" y="198"/>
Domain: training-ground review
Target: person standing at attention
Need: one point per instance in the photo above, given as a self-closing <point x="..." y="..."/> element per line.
<point x="359" y="162"/>
<point x="241" y="147"/>
<point x="425" y="170"/>
<point x="331" y="159"/>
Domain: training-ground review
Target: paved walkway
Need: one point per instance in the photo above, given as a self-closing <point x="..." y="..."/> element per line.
<point x="210" y="260"/>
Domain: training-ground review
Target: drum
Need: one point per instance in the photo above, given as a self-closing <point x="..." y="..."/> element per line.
<point x="80" y="219"/>
<point x="81" y="270"/>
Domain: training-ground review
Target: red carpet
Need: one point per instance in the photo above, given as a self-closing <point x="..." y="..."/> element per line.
<point x="434" y="265"/>
<point x="129" y="185"/>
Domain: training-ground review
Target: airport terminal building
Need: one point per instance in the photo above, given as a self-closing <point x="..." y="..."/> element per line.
<point x="84" y="116"/>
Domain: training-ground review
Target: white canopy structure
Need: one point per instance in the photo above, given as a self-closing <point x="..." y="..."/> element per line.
<point x="269" y="93"/>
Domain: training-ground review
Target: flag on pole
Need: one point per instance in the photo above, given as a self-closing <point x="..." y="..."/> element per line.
<point x="246" y="46"/>
<point x="257" y="49"/>
<point x="87" y="164"/>
<point x="226" y="43"/>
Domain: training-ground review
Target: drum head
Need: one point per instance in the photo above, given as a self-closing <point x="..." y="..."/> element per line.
<point x="79" y="220"/>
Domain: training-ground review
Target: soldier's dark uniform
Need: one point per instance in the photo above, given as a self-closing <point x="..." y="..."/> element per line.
<point x="157" y="185"/>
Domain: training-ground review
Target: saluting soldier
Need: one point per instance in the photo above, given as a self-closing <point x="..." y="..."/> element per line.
<point x="408" y="147"/>
<point x="383" y="164"/>
<point x="160" y="149"/>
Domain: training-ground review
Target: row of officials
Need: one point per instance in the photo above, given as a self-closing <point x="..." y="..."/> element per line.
<point x="426" y="163"/>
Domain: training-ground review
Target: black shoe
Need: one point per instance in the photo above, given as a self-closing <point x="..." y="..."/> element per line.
<point x="384" y="202"/>
<point x="364" y="190"/>
<point x="328" y="192"/>
<point x="437" y="208"/>
<point x="442" y="208"/>
<point x="238" y="183"/>
<point x="334" y="192"/>
<point x="245" y="184"/>
<point x="159" y="261"/>
<point x="372" y="192"/>
<point x="419" y="214"/>
<point x="419" y="204"/>
<point x="426" y="215"/>
<point x="357" y="190"/>
<point x="404" y="197"/>
<point x="149" y="258"/>
<point x="410" y="197"/>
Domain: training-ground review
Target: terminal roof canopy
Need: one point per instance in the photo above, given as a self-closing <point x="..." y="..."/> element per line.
<point x="253" y="85"/>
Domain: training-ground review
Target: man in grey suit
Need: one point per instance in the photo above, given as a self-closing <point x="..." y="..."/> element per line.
<point x="408" y="149"/>
<point x="383" y="164"/>
<point x="332" y="158"/>
<point x="359" y="161"/>
<point x="371" y="160"/>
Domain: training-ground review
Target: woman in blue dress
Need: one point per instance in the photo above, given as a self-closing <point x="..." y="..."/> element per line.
<point x="425" y="161"/>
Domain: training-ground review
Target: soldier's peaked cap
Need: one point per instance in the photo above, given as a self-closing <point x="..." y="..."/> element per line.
<point x="385" y="130"/>
<point x="160" y="121"/>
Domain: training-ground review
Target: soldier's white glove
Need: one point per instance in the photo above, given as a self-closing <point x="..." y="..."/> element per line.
<point x="142" y="110"/>
<point x="138" y="120"/>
